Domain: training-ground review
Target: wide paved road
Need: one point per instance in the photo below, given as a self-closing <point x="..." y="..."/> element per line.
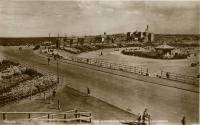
<point x="164" y="103"/>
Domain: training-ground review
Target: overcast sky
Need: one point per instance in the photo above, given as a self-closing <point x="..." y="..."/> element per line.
<point x="39" y="18"/>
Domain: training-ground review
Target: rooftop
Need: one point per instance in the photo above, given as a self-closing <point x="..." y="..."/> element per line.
<point x="164" y="46"/>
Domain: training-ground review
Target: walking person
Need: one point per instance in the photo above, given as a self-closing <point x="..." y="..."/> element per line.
<point x="54" y="94"/>
<point x="101" y="53"/>
<point x="143" y="119"/>
<point x="167" y="74"/>
<point x="139" y="118"/>
<point x="183" y="121"/>
<point x="48" y="60"/>
<point x="88" y="91"/>
<point x="145" y="116"/>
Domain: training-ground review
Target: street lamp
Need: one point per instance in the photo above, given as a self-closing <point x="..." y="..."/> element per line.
<point x="57" y="45"/>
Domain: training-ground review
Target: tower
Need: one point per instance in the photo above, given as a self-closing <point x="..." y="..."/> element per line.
<point x="147" y="30"/>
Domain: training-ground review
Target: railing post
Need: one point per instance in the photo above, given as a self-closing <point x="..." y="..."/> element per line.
<point x="44" y="96"/>
<point x="48" y="116"/>
<point x="58" y="104"/>
<point x="79" y="115"/>
<point x="65" y="116"/>
<point x="29" y="115"/>
<point x="90" y="117"/>
<point x="4" y="116"/>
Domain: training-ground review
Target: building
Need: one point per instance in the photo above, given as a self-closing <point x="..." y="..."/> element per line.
<point x="164" y="49"/>
<point x="150" y="37"/>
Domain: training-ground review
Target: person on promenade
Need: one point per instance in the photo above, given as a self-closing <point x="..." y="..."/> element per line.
<point x="101" y="53"/>
<point x="48" y="60"/>
<point x="88" y="91"/>
<point x="183" y="121"/>
<point x="139" y="118"/>
<point x="167" y="75"/>
<point x="54" y="94"/>
<point x="145" y="115"/>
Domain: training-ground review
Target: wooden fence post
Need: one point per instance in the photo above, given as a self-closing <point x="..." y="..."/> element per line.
<point x="29" y="115"/>
<point x="58" y="104"/>
<point x="44" y="96"/>
<point x="65" y="116"/>
<point x="90" y="117"/>
<point x="4" y="116"/>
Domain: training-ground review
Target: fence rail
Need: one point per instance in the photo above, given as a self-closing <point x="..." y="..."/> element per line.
<point x="70" y="116"/>
<point x="179" y="77"/>
<point x="191" y="80"/>
<point x="109" y="65"/>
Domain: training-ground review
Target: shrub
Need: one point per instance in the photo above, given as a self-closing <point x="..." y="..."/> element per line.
<point x="32" y="73"/>
<point x="36" y="47"/>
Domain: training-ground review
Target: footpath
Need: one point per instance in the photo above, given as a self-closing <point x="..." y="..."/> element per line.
<point x="146" y="79"/>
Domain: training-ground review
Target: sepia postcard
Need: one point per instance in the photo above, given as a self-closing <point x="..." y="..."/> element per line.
<point x="98" y="62"/>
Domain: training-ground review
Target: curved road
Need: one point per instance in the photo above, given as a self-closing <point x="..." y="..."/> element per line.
<point x="163" y="103"/>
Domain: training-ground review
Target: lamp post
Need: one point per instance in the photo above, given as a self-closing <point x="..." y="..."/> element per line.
<point x="57" y="69"/>
<point x="57" y="59"/>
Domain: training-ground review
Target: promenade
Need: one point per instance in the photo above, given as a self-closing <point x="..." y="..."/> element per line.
<point x="130" y="94"/>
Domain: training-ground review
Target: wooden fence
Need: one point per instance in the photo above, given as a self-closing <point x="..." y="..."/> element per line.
<point x="109" y="65"/>
<point x="179" y="77"/>
<point x="68" y="116"/>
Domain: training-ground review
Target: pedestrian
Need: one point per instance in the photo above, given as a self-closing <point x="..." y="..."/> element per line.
<point x="101" y="53"/>
<point x="88" y="91"/>
<point x="143" y="119"/>
<point x="183" y="121"/>
<point x="54" y="94"/>
<point x="145" y="115"/>
<point x="139" y="118"/>
<point x="48" y="60"/>
<point x="167" y="75"/>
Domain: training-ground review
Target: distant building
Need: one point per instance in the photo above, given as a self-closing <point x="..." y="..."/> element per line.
<point x="103" y="37"/>
<point x="150" y="37"/>
<point x="46" y="43"/>
<point x="164" y="49"/>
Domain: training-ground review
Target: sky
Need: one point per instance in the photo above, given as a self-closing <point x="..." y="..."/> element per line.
<point x="39" y="18"/>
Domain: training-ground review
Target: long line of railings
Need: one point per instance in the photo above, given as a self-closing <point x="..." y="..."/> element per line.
<point x="114" y="66"/>
<point x="179" y="77"/>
